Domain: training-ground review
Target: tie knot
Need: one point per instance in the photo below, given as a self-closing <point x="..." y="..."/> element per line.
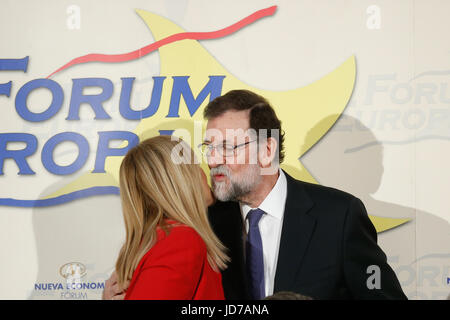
<point x="254" y="216"/>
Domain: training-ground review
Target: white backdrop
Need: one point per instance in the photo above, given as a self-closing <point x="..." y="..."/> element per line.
<point x="389" y="146"/>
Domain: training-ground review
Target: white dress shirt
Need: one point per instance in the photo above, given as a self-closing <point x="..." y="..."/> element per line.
<point x="270" y="227"/>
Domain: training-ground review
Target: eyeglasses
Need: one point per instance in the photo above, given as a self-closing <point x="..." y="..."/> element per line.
<point x="223" y="149"/>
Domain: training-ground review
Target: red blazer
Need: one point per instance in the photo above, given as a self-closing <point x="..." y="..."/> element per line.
<point x="176" y="268"/>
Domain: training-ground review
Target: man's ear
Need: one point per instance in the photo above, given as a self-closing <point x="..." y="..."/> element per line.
<point x="267" y="152"/>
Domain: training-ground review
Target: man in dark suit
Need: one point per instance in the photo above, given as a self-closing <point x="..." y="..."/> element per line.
<point x="284" y="234"/>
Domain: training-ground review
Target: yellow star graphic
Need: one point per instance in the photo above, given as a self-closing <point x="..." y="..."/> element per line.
<point x="299" y="109"/>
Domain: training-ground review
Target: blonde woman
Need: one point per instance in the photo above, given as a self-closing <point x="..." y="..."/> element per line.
<point x="170" y="251"/>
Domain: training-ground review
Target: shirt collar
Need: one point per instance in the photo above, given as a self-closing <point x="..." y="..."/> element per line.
<point x="274" y="202"/>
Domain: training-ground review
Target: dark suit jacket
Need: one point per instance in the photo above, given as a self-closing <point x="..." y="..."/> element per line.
<point x="327" y="244"/>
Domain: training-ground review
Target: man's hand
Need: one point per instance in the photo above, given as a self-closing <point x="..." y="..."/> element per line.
<point x="112" y="290"/>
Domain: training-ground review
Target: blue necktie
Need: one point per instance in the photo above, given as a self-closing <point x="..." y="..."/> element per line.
<point x="254" y="253"/>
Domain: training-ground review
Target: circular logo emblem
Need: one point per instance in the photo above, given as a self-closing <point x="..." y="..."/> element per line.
<point x="72" y="270"/>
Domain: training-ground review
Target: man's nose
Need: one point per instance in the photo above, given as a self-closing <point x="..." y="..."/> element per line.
<point x="214" y="158"/>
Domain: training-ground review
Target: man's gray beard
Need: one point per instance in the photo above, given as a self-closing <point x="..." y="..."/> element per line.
<point x="238" y="187"/>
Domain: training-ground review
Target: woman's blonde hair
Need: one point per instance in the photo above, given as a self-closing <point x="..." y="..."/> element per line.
<point x="155" y="185"/>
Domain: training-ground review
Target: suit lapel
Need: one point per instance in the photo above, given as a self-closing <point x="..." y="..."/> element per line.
<point x="239" y="246"/>
<point x="228" y="224"/>
<point x="296" y="232"/>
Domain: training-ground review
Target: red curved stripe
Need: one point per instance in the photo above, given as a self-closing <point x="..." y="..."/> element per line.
<point x="97" y="57"/>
